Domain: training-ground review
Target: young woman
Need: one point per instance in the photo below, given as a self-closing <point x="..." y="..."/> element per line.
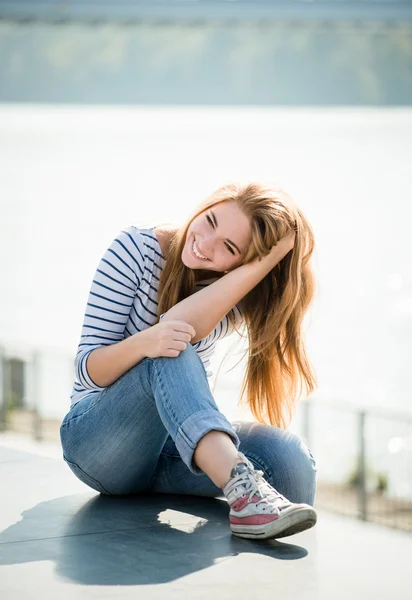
<point x="142" y="415"/>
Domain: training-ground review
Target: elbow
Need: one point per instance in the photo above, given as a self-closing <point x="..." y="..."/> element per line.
<point x="82" y="372"/>
<point x="170" y="316"/>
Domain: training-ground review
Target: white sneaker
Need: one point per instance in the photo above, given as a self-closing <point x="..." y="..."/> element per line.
<point x="258" y="511"/>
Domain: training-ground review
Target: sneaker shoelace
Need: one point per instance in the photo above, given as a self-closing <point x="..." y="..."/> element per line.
<point x="254" y="484"/>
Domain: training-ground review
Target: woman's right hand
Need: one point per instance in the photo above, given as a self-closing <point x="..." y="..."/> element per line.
<point x="167" y="338"/>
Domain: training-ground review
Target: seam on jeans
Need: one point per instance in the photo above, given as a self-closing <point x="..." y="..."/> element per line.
<point x="87" y="475"/>
<point x="170" y="455"/>
<point x="156" y="470"/>
<point x="154" y="475"/>
<point x="192" y="445"/>
<point x="164" y="397"/>
<point x="99" y="396"/>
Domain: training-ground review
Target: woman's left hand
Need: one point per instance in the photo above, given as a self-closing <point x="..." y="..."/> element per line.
<point x="278" y="252"/>
<point x="287" y="242"/>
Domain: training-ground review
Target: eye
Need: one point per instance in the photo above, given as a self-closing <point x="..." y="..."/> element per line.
<point x="210" y="221"/>
<point x="227" y="245"/>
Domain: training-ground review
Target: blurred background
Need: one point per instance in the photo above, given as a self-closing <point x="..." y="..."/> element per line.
<point x="120" y="113"/>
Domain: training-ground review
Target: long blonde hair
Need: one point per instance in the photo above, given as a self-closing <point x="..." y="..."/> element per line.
<point x="278" y="371"/>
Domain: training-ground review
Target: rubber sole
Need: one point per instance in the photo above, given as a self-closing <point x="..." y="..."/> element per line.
<point x="290" y="523"/>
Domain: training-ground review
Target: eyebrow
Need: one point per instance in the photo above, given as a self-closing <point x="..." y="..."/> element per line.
<point x="230" y="241"/>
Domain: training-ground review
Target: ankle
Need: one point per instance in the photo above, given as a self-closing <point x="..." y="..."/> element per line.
<point x="237" y="461"/>
<point x="215" y="455"/>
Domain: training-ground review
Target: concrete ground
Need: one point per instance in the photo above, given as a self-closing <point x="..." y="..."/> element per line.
<point x="60" y="539"/>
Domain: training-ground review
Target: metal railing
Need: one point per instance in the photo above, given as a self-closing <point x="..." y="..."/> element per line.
<point x="378" y="485"/>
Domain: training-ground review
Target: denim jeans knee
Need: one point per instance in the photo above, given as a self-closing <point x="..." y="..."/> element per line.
<point x="287" y="463"/>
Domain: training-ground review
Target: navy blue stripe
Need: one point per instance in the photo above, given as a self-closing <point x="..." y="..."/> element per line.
<point x="148" y="297"/>
<point x="146" y="309"/>
<point x="112" y="289"/>
<point x="100" y="337"/>
<point x="118" y="271"/>
<point x="88" y="344"/>
<point x="106" y="309"/>
<point x="152" y="237"/>
<point x="207" y="348"/>
<point x="131" y="256"/>
<point x="139" y="317"/>
<point x="123" y="261"/>
<point x="106" y="320"/>
<point x="116" y="280"/>
<point x="152" y="262"/>
<point x="85" y="326"/>
<point x="82" y="378"/>
<point x="92" y="346"/>
<point x="134" y="243"/>
<point x="207" y="352"/>
<point x="109" y="300"/>
<point x="151" y="248"/>
<point x="211" y="342"/>
<point x="227" y="327"/>
<point x="203" y="345"/>
<point x="215" y="332"/>
<point x="132" y="322"/>
<point x="153" y="288"/>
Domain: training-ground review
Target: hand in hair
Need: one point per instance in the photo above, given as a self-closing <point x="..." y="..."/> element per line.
<point x="279" y="251"/>
<point x="288" y="241"/>
<point x="167" y="338"/>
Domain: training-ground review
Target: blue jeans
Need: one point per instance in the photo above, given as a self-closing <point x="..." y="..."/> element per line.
<point x="140" y="433"/>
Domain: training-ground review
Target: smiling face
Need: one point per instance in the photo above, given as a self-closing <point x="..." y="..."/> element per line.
<point x="217" y="239"/>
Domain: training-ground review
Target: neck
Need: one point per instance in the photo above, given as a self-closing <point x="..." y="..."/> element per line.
<point x="201" y="274"/>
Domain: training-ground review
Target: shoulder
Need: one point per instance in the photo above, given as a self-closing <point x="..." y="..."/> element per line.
<point x="164" y="234"/>
<point x="131" y="238"/>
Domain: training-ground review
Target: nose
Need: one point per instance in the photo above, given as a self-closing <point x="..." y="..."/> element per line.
<point x="207" y="244"/>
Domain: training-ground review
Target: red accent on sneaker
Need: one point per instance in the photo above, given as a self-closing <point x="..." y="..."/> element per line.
<point x="240" y="503"/>
<point x="253" y="520"/>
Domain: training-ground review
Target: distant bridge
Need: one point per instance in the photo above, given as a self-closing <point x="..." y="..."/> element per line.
<point x="207" y="10"/>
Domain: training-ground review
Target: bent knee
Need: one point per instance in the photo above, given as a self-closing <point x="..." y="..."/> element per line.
<point x="287" y="462"/>
<point x="302" y="471"/>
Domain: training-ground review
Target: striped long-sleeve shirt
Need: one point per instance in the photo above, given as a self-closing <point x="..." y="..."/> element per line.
<point x="123" y="300"/>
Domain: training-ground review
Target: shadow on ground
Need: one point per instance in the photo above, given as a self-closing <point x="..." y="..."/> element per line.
<point x="129" y="540"/>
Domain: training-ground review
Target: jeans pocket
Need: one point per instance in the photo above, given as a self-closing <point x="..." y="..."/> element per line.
<point x="85" y="478"/>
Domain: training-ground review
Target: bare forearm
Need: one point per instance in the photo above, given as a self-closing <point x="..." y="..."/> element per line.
<point x="204" y="309"/>
<point x="106" y="364"/>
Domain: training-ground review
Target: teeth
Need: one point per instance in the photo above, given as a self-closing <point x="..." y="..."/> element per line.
<point x="195" y="250"/>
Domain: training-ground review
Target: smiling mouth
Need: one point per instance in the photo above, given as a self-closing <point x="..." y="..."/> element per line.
<point x="196" y="252"/>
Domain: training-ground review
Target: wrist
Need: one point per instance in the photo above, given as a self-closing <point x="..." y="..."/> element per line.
<point x="274" y="257"/>
<point x="282" y="248"/>
<point x="140" y="344"/>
